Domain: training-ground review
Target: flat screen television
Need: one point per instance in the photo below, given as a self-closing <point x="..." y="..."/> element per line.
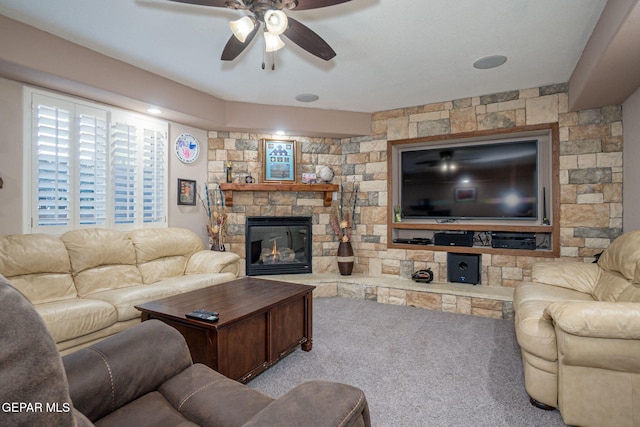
<point x="480" y="181"/>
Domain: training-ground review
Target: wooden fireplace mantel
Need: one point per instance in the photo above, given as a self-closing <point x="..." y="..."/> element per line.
<point x="327" y="189"/>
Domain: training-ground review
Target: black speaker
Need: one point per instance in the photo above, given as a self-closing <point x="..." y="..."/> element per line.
<point x="463" y="268"/>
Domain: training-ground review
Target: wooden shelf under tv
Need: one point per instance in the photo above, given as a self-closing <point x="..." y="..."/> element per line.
<point x="327" y="189"/>
<point x="550" y="230"/>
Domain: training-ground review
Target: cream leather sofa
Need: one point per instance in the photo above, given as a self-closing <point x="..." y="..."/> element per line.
<point x="86" y="283"/>
<point x="578" y="327"/>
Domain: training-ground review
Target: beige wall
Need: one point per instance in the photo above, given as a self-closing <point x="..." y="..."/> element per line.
<point x="39" y="58"/>
<point x="631" y="120"/>
<point x="191" y="217"/>
<point x="11" y="208"/>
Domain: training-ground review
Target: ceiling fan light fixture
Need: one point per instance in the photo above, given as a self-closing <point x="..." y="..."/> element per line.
<point x="273" y="42"/>
<point x="243" y="27"/>
<point x="276" y="21"/>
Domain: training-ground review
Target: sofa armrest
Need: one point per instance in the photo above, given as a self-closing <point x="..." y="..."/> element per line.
<point x="596" y="319"/>
<point x="119" y="369"/>
<point x="317" y="403"/>
<point x="578" y="276"/>
<point x="213" y="262"/>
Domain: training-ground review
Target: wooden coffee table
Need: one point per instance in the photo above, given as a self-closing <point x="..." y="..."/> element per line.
<point x="261" y="321"/>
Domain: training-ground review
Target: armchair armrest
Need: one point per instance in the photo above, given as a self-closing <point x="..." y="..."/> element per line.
<point x="578" y="276"/>
<point x="213" y="262"/>
<point x="596" y="319"/>
<point x="317" y="403"/>
<point x="119" y="369"/>
<point x="592" y="334"/>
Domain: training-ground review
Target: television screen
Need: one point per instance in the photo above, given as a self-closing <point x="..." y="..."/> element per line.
<point x="482" y="181"/>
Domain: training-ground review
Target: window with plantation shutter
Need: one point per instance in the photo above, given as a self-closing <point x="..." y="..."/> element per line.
<point x="124" y="170"/>
<point x="154" y="176"/>
<point x="52" y="164"/>
<point x="92" y="166"/>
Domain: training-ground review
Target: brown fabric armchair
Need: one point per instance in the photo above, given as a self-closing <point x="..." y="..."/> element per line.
<point x="144" y="376"/>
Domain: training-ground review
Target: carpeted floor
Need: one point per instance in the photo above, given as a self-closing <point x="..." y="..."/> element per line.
<point x="417" y="367"/>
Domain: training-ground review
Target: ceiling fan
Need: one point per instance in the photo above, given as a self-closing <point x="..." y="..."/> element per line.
<point x="270" y="13"/>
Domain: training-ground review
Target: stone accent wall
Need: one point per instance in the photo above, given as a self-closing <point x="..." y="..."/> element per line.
<point x="590" y="180"/>
<point x="242" y="150"/>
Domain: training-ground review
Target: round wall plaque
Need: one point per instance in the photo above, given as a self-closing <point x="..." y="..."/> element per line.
<point x="187" y="148"/>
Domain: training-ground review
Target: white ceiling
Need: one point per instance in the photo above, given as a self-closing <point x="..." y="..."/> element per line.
<point x="390" y="53"/>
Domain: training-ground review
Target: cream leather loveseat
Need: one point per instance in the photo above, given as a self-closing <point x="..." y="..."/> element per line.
<point x="86" y="283"/>
<point x="578" y="327"/>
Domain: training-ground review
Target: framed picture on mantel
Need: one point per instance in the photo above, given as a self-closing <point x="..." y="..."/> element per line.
<point x="278" y="160"/>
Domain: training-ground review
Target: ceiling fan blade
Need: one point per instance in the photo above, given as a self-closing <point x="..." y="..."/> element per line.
<point x="212" y="3"/>
<point x="315" y="4"/>
<point x="234" y="47"/>
<point x="304" y="37"/>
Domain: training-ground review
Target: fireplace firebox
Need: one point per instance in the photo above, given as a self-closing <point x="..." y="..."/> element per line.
<point x="278" y="245"/>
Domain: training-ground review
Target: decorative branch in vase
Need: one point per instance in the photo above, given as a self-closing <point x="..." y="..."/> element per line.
<point x="342" y="223"/>
<point x="216" y="217"/>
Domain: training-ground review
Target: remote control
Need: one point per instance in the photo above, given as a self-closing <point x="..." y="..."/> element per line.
<point x="204" y="315"/>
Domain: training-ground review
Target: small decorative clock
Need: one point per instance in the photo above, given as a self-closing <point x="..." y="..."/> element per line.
<point x="187" y="148"/>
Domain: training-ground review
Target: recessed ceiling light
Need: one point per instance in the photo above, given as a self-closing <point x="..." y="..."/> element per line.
<point x="491" y="61"/>
<point x="307" y="97"/>
<point x="154" y="110"/>
<point x="280" y="132"/>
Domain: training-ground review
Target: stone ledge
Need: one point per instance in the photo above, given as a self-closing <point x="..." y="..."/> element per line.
<point x="477" y="300"/>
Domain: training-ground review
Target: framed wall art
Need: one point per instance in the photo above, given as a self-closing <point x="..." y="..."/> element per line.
<point x="465" y="194"/>
<point x="279" y="159"/>
<point x="186" y="192"/>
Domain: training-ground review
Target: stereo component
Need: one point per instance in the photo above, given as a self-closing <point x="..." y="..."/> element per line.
<point x="453" y="238"/>
<point x="513" y="240"/>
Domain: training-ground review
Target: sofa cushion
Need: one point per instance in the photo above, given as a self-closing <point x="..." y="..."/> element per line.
<point x="124" y="299"/>
<point x="73" y="318"/>
<point x="163" y="253"/>
<point x="101" y="259"/>
<point x="622" y="255"/>
<point x="191" y="282"/>
<point x="151" y="410"/>
<point x="630" y="294"/>
<point x="578" y="276"/>
<point x="610" y="285"/>
<point x="209" y="398"/>
<point x="38" y="266"/>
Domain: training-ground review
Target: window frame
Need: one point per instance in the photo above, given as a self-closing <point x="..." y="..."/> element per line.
<point x="150" y="162"/>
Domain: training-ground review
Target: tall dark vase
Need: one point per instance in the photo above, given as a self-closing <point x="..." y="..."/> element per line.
<point x="345" y="258"/>
<point x="217" y="247"/>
